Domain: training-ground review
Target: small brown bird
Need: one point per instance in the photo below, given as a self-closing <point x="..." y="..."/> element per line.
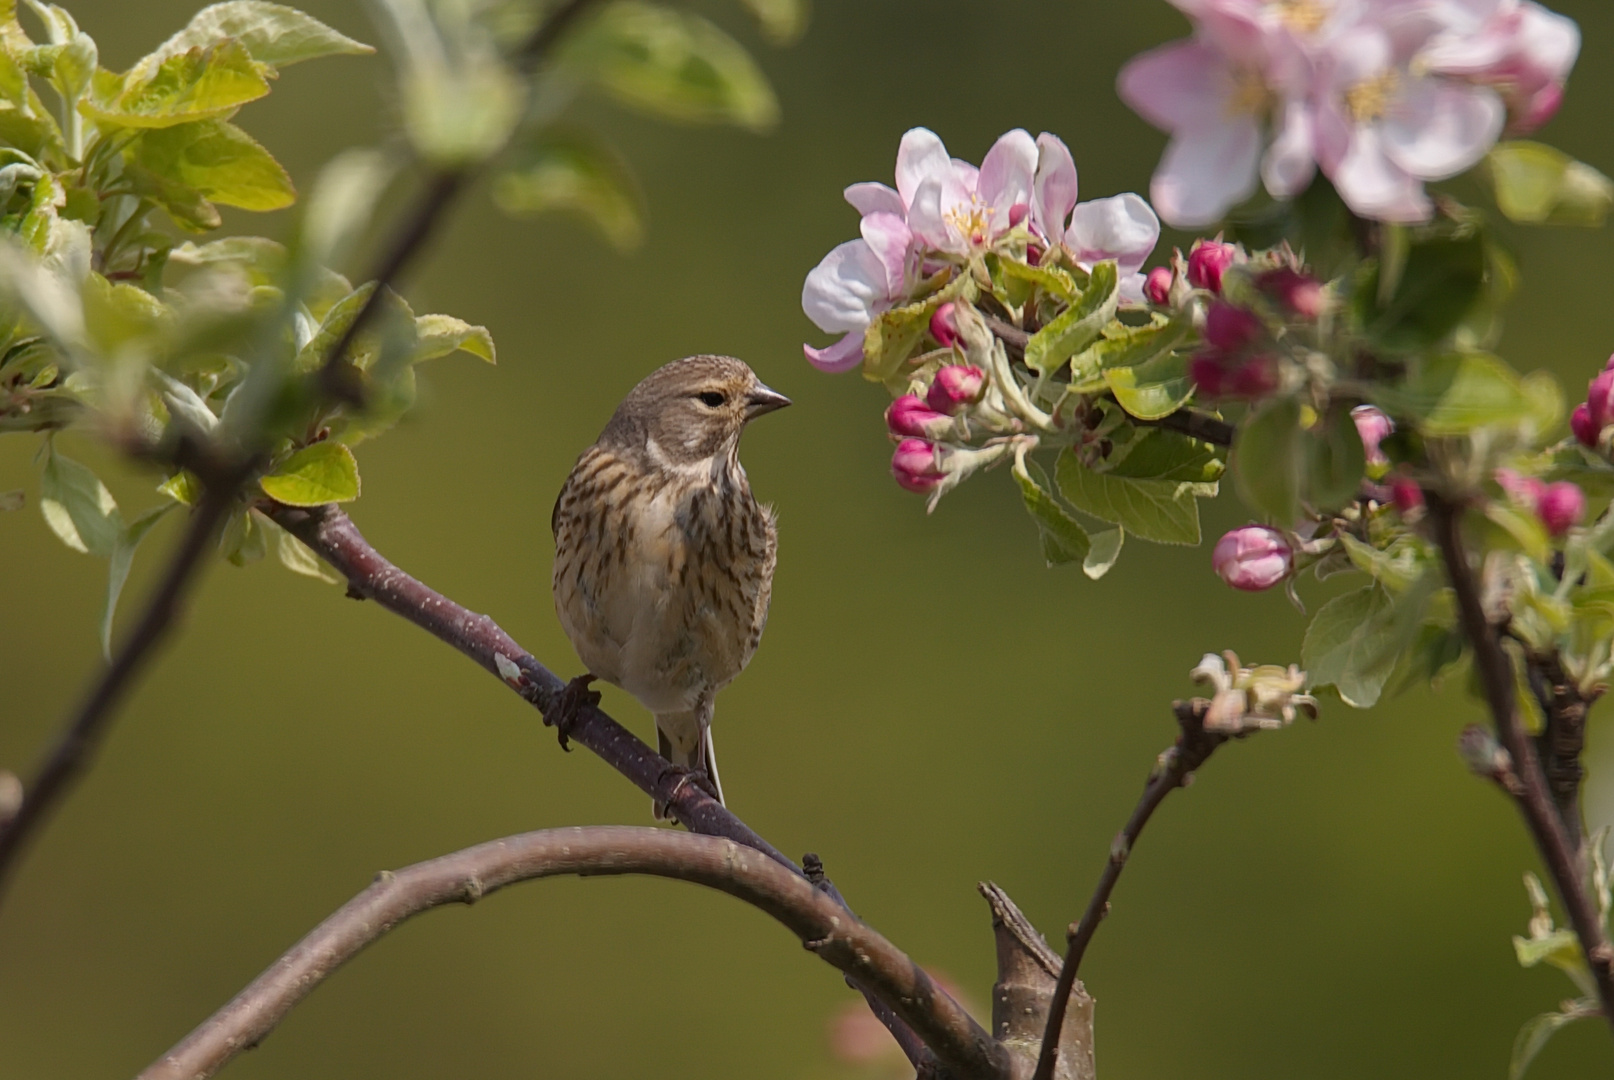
<point x="663" y="559"/>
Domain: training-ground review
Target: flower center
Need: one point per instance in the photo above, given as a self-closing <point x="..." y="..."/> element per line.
<point x="972" y="220"/>
<point x="1369" y="99"/>
<point x="1250" y="94"/>
<point x="1303" y="16"/>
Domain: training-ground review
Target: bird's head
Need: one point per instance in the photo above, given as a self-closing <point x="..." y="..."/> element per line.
<point x="693" y="409"/>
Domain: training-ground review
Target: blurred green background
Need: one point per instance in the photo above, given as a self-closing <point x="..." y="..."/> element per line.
<point x="931" y="706"/>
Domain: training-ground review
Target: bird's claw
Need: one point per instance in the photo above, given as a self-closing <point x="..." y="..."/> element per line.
<point x="685" y="775"/>
<point x="562" y="712"/>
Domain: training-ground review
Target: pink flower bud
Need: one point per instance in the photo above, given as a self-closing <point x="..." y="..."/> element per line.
<point x="1254" y="379"/>
<point x="910" y="416"/>
<point x="1560" y="506"/>
<point x="1033" y="255"/>
<point x="1208" y="373"/>
<point x="1253" y="558"/>
<point x="1300" y="294"/>
<point x="1208" y="262"/>
<point x="1585" y="428"/>
<point x="1524" y="490"/>
<point x="956" y="386"/>
<point x="917" y="465"/>
<point x="1372" y="425"/>
<point x="1231" y="328"/>
<point x="1157" y="286"/>
<point x="1405" y="494"/>
<point x="1600" y="398"/>
<point x="942" y="327"/>
<point x="1018" y="213"/>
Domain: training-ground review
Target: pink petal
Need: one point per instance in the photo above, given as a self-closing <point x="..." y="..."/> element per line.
<point x="1122" y="227"/>
<point x="1053" y="187"/>
<point x="1290" y="161"/>
<point x="871" y="198"/>
<point x="1207" y="171"/>
<point x="1006" y="174"/>
<point x="1438" y="128"/>
<point x="1373" y="185"/>
<point x="891" y="241"/>
<point x="845" y="289"/>
<point x="926" y="217"/>
<point x="920" y="157"/>
<point x="844" y="355"/>
<point x="1180" y="85"/>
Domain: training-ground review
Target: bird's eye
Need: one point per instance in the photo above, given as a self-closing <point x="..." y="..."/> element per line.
<point x="711" y="399"/>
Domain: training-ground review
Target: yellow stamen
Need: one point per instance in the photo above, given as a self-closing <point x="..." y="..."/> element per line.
<point x="1304" y="16"/>
<point x="1250" y="94"/>
<point x="1369" y="98"/>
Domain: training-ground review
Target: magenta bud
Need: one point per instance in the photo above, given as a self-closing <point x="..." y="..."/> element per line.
<point x="1231" y="328"/>
<point x="1600" y="398"/>
<point x="1405" y="494"/>
<point x="956" y="387"/>
<point x="1373" y="426"/>
<point x="910" y="416"/>
<point x="1585" y="428"/>
<point x="1208" y="373"/>
<point x="1254" y="379"/>
<point x="1018" y="213"/>
<point x="942" y="327"/>
<point x="1253" y="558"/>
<point x="1560" y="506"/>
<point x="1157" y="286"/>
<point x="1033" y="255"/>
<point x="1300" y="294"/>
<point x="917" y="465"/>
<point x="1207" y="262"/>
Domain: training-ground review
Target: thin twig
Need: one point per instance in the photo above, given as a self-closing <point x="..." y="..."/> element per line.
<point x="81" y="736"/>
<point x="1532" y="797"/>
<point x="466" y="876"/>
<point x="1175" y="769"/>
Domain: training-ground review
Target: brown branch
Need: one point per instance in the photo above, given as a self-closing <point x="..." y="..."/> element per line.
<point x="78" y="740"/>
<point x="1532" y="797"/>
<point x="824" y="927"/>
<point x="1175" y="769"/>
<point x="1562" y="739"/>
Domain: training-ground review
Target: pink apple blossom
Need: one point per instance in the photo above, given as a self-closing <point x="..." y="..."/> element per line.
<point x="910" y="416"/>
<point x="1121" y="227"/>
<point x="1373" y="426"/>
<point x="942" y="327"/>
<point x="955" y="387"/>
<point x="1157" y="286"/>
<point x="856" y="282"/>
<point x="1208" y="261"/>
<point x="1585" y="429"/>
<point x="1560" y="506"/>
<point x="1520" y="48"/>
<point x="1253" y="558"/>
<point x="917" y="465"/>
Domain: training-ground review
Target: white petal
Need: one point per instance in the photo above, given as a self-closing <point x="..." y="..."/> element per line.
<point x="1179" y="86"/>
<point x="1006" y="174"/>
<point x="1207" y="171"/>
<point x="846" y="289"/>
<point x="891" y="241"/>
<point x="1122" y="227"/>
<point x="1290" y="161"/>
<point x="844" y="355"/>
<point x="1373" y="185"/>
<point x="921" y="157"/>
<point x="1054" y="186"/>
<point x="1437" y="128"/>
<point x="871" y="198"/>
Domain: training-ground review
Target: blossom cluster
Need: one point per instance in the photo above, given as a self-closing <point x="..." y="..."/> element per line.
<point x="1381" y="95"/>
<point x="943" y="212"/>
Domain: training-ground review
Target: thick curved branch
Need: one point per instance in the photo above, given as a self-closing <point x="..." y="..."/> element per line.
<point x="824" y="927"/>
<point x="1531" y="792"/>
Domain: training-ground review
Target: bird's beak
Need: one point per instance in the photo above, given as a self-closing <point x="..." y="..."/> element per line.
<point x="763" y="400"/>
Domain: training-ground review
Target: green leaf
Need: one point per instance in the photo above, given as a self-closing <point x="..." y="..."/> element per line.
<point x="461" y="115"/>
<point x="1079" y="325"/>
<point x="218" y="160"/>
<point x="1454" y="393"/>
<point x="245" y="537"/>
<point x="390" y="331"/>
<point x="1159" y="454"/>
<point x="78" y="507"/>
<point x="1268" y="458"/>
<point x="1152" y="390"/>
<point x="674" y="64"/>
<point x="118" y="572"/>
<point x="782" y="21"/>
<point x="439" y="335"/>
<point x="200" y="84"/>
<point x="323" y="473"/>
<point x="1063" y="538"/>
<point x="890" y="338"/>
<point x="271" y="34"/>
<point x="1536" y="184"/>
<point x="1122" y="346"/>
<point x="182" y="487"/>
<point x="1535" y="1033"/>
<point x="1335" y="461"/>
<point x="577" y="174"/>
<point x="1164" y="511"/>
<point x="1442" y="280"/>
<point x="1105" y="550"/>
<point x="1350" y="645"/>
<point x="1051" y="279"/>
<point x="299" y="559"/>
<point x="1395" y="567"/>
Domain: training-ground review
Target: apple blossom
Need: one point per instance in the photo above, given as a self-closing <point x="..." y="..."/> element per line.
<point x="1600" y="398"/>
<point x="1208" y="260"/>
<point x="942" y="327"/>
<point x="1121" y="227"/>
<point x="955" y="387"/>
<point x="1253" y="558"/>
<point x="1585" y="429"/>
<point x="1405" y="494"/>
<point x="856" y="282"/>
<point x="1522" y="49"/>
<point x="1231" y="328"/>
<point x="1560" y="506"/>
<point x="1157" y="286"/>
<point x="1296" y="292"/>
<point x="1373" y="426"/>
<point x="910" y="416"/>
<point x="917" y="465"/>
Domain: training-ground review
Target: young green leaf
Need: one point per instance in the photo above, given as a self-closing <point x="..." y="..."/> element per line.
<point x="1152" y="390"/>
<point x="118" y="571"/>
<point x="675" y="64"/>
<point x="202" y="84"/>
<point x="1105" y="551"/>
<point x="1063" y="538"/>
<point x="296" y="556"/>
<point x="245" y="538"/>
<point x="1441" y="281"/>
<point x="1350" y="645"/>
<point x="439" y="335"/>
<point x="218" y="160"/>
<point x="271" y="34"/>
<point x="577" y="174"/>
<point x="323" y="473"/>
<point x="1079" y="325"/>
<point x="1536" y="184"/>
<point x="1164" y="511"/>
<point x="1536" y="1032"/>
<point x="78" y="507"/>
<point x="1454" y="393"/>
<point x="1267" y="460"/>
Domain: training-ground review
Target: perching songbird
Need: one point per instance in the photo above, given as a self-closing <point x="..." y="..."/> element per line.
<point x="663" y="558"/>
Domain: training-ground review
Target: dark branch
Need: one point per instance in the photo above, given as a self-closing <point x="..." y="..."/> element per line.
<point x="1562" y="739"/>
<point x="823" y="926"/>
<point x="332" y="535"/>
<point x="1175" y="769"/>
<point x="81" y="736"/>
<point x="1532" y="797"/>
